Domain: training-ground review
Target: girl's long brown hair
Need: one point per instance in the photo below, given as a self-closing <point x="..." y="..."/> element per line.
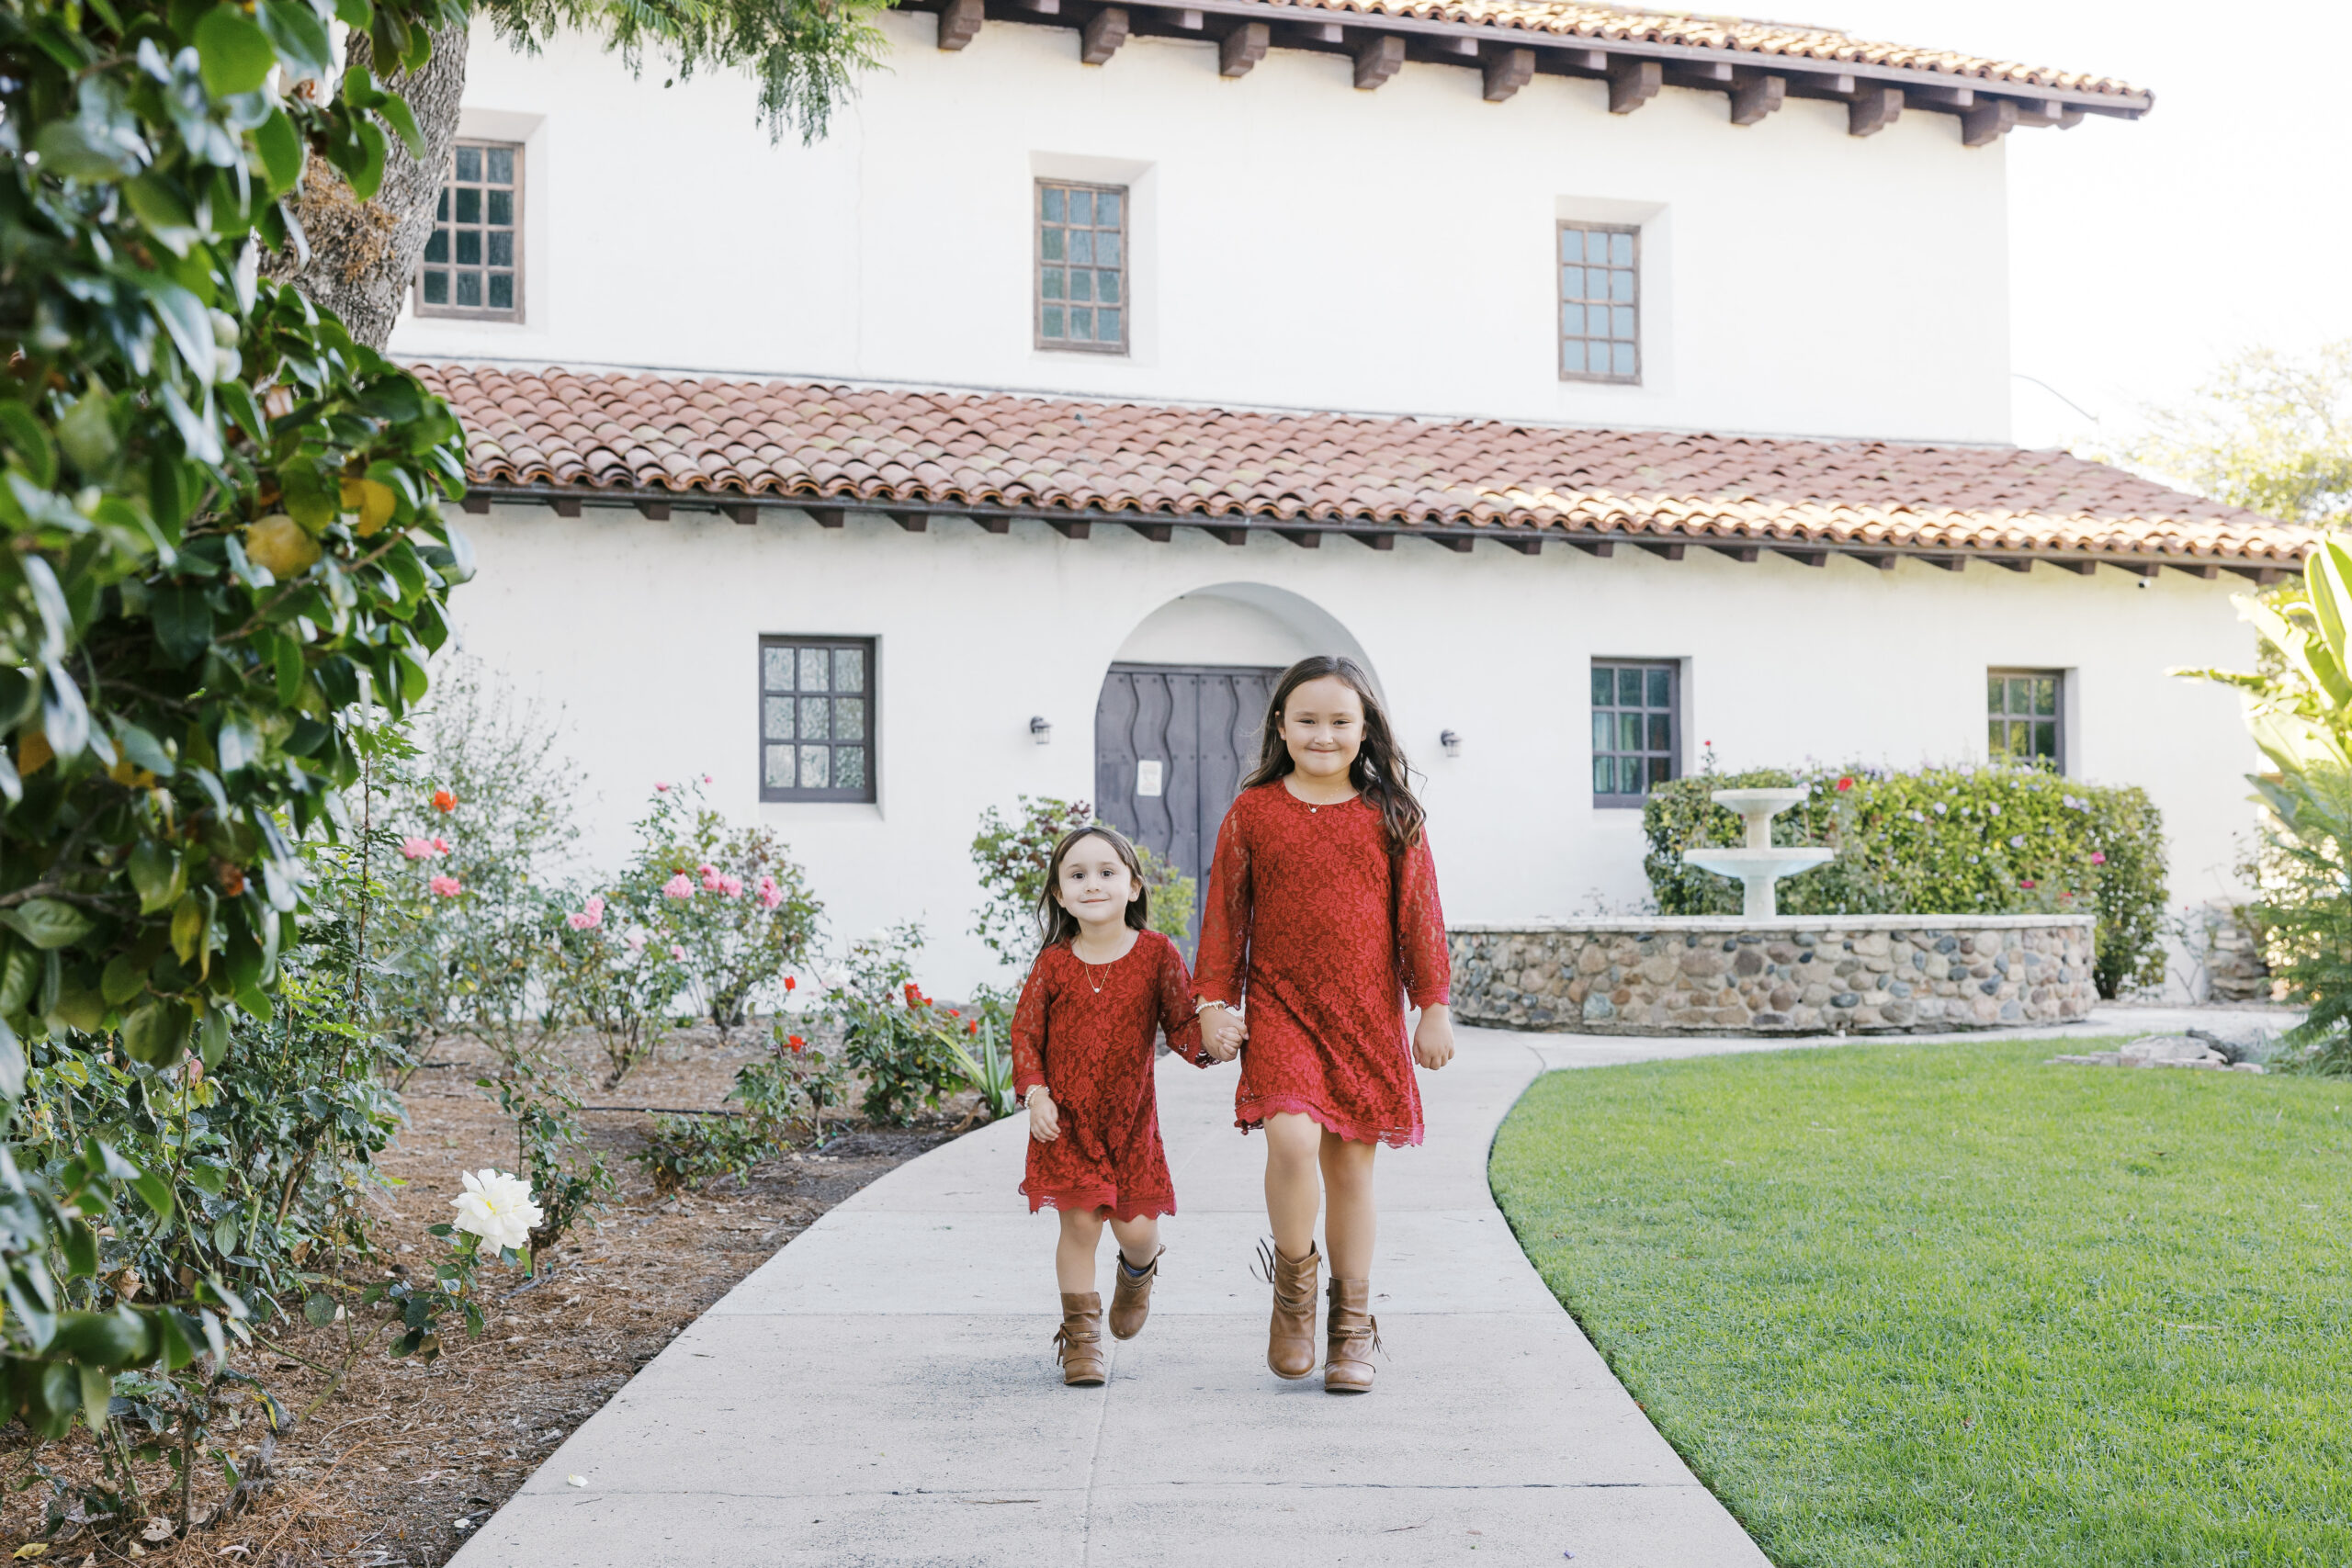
<point x="1378" y="773"/>
<point x="1057" y="924"/>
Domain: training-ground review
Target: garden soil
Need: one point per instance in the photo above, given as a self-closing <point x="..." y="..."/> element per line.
<point x="393" y="1463"/>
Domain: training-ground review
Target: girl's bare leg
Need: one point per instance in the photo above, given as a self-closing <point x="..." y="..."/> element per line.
<point x="1074" y="1253"/>
<point x="1350" y="1222"/>
<point x="1294" y="1183"/>
<point x="1138" y="1241"/>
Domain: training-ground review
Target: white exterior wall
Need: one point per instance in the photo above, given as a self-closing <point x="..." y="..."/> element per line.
<point x="648" y="632"/>
<point x="1297" y="243"/>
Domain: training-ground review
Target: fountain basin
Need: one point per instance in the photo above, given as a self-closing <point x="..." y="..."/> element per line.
<point x="1792" y="974"/>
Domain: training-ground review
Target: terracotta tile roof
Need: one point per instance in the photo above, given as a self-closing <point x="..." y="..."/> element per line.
<point x="1690" y="31"/>
<point x="560" y="432"/>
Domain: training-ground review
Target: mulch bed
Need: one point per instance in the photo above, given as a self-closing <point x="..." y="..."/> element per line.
<point x="398" y="1462"/>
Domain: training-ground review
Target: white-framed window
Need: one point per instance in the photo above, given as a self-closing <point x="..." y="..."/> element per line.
<point x="473" y="260"/>
<point x="1601" y="302"/>
<point x="1082" y="295"/>
<point x="817" y="718"/>
<point x="2025" y="715"/>
<point x="1636" y="729"/>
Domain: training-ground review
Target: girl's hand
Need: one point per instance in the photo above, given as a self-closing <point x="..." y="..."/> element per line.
<point x="1434" y="1037"/>
<point x="1222" y="1033"/>
<point x="1044" y="1121"/>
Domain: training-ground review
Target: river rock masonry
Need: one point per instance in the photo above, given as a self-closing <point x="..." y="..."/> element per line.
<point x="1793" y="974"/>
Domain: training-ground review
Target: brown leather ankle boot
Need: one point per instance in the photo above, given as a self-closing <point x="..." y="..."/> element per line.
<point x="1354" y="1335"/>
<point x="1130" y="1297"/>
<point x="1290" y="1337"/>
<point x="1080" y="1338"/>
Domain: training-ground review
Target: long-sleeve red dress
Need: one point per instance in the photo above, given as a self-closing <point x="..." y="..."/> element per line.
<point x="1088" y="1032"/>
<point x="1299" y="935"/>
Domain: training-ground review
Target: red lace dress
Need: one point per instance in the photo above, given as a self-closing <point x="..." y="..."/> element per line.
<point x="1298" y="934"/>
<point x="1088" y="1033"/>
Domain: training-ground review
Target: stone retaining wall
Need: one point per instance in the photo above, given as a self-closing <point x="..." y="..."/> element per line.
<point x="1869" y="974"/>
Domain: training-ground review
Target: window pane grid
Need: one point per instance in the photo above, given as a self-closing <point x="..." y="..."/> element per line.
<point x="1082" y="300"/>
<point x="1634" y="740"/>
<point x="1600" y="303"/>
<point x="815" y="719"/>
<point x="2022" y="716"/>
<point x="473" y="258"/>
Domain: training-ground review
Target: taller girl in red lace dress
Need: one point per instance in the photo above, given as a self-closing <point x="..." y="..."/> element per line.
<point x="1322" y="920"/>
<point x="1103" y="987"/>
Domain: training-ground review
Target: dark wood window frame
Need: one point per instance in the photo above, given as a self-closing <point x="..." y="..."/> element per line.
<point x="1654" y="742"/>
<point x="452" y="230"/>
<point x="1052" y="270"/>
<point x="1584" y="299"/>
<point x="2025" y="715"/>
<point x="793" y="694"/>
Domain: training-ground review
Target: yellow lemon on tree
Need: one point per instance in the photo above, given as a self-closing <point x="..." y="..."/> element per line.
<point x="278" y="544"/>
<point x="373" y="500"/>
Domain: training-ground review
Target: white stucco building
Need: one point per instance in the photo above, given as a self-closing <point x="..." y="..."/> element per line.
<point x="1627" y="343"/>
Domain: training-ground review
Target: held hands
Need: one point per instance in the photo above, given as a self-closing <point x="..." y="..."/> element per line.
<point x="1222" y="1033"/>
<point x="1434" y="1037"/>
<point x="1044" y="1121"/>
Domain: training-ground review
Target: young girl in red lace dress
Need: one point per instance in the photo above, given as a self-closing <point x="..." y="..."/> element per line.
<point x="1083" y="1038"/>
<point x="1323" y="919"/>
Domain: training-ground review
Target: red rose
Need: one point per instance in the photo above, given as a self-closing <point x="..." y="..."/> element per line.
<point x="795" y="1042"/>
<point x="444" y="801"/>
<point x="973" y="1027"/>
<point x="788" y="982"/>
<point x="2027" y="883"/>
<point x="1844" y="784"/>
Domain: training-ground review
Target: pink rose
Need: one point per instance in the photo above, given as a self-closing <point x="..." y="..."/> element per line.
<point x="769" y="894"/>
<point x="712" y="882"/>
<point x="678" y="886"/>
<point x="440" y="846"/>
<point x="662" y="786"/>
<point x="596" y="908"/>
<point x="417" y="848"/>
<point x="2098" y="857"/>
<point x="678" y="952"/>
<point x="731" y="886"/>
<point x="447" y="886"/>
<point x="706" y="778"/>
<point x="578" y="923"/>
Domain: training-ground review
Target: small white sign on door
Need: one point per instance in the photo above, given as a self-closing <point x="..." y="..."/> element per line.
<point x="1148" y="776"/>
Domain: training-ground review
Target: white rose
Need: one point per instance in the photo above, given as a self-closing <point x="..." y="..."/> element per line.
<point x="497" y="1207"/>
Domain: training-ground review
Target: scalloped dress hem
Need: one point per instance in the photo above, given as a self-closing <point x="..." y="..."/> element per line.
<point x="1095" y="1200"/>
<point x="1250" y="1115"/>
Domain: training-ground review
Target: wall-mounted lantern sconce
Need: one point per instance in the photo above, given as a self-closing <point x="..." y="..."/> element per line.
<point x="1041" y="732"/>
<point x="1450" y="743"/>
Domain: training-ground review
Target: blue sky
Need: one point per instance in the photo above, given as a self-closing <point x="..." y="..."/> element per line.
<point x="2142" y="253"/>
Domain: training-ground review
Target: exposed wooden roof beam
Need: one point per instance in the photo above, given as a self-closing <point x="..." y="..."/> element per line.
<point x="1070" y="527"/>
<point x="1322" y="33"/>
<point x="1158" y="533"/>
<point x="1228" y="536"/>
<point x="1736" y="552"/>
<point x="566" y="505"/>
<point x="1756" y="95"/>
<point x="1103" y="33"/>
<point x="1941" y="97"/>
<point x="1874" y="108"/>
<point x="912" y="522"/>
<point x="1305" y="538"/>
<point x="476" y="503"/>
<point x="743" y="513"/>
<point x="1242" y="48"/>
<point x="827" y="517"/>
<point x="1667" y="552"/>
<point x="2012" y="563"/>
<point x="1508" y="71"/>
<point x="1456" y="543"/>
<point x="959" y="23"/>
<point x="2079" y="568"/>
<point x="1383" y="540"/>
<point x="1604" y="548"/>
<point x="1377" y="59"/>
<point x="1041" y="7"/>
<point x="654" y="511"/>
<point x="1988" y="122"/>
<point x="994" y="523"/>
<point x="2209" y="571"/>
<point x="1525" y="544"/>
<point x="1632" y="81"/>
<point x="1805" y="557"/>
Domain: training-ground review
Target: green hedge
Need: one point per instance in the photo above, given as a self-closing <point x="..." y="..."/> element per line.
<point x="1998" y="841"/>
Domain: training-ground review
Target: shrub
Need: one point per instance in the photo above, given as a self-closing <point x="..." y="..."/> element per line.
<point x="788" y="1088"/>
<point x="1013" y="855"/>
<point x="896" y="1038"/>
<point x="1995" y="840"/>
<point x="726" y="904"/>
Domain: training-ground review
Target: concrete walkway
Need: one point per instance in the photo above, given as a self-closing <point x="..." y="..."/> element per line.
<point x="883" y="1390"/>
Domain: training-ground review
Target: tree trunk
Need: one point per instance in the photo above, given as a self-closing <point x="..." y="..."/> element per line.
<point x="364" y="253"/>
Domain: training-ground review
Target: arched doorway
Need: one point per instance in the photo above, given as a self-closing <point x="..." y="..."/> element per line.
<point x="1177" y="725"/>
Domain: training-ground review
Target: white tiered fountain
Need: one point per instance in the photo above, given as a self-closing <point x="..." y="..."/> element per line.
<point x="1759" y="864"/>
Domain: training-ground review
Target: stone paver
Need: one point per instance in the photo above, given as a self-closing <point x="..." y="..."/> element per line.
<point x="883" y="1390"/>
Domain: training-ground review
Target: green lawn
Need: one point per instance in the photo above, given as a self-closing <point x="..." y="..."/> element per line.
<point x="1943" y="1304"/>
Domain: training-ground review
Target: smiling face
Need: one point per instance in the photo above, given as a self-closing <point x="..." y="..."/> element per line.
<point x="1094" y="884"/>
<point x="1322" y="725"/>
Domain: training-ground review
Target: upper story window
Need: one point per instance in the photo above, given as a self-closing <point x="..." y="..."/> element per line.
<point x="473" y="263"/>
<point x="1082" y="266"/>
<point x="1601" y="303"/>
<point x="815" y="719"/>
<point x="2023" y="716"/>
<point x="1636" y="729"/>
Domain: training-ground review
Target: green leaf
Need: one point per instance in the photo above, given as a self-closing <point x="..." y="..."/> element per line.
<point x="189" y="324"/>
<point x="30" y="441"/>
<point x="87" y="433"/>
<point x="280" y="146"/>
<point x="300" y="38"/>
<point x="233" y="54"/>
<point x="97" y="1394"/>
<point x="162" y="214"/>
<point x="367" y="174"/>
<point x="71" y="150"/>
<point x="396" y="114"/>
<point x="212" y="1038"/>
<point x="289" y="670"/>
<point x="153" y="1193"/>
<point x="122" y="980"/>
<point x="47" y="922"/>
<point x="145" y="751"/>
<point x="187" y="927"/>
<point x="157" y="1032"/>
<point x="2328" y="577"/>
<point x="319" y="1308"/>
<point x="100" y="1338"/>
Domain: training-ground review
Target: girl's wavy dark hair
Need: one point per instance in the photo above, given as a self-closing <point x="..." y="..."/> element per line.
<point x="1056" y="924"/>
<point x="1379" y="770"/>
